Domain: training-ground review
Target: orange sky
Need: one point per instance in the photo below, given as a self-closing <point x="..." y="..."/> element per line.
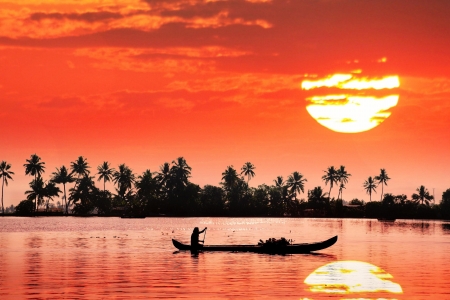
<point x="219" y="82"/>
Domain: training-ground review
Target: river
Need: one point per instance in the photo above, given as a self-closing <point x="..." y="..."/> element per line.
<point x="114" y="258"/>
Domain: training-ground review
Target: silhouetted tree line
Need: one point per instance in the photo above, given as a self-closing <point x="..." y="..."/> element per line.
<point x="169" y="192"/>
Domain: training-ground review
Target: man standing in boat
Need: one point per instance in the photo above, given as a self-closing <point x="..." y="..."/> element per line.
<point x="194" y="238"/>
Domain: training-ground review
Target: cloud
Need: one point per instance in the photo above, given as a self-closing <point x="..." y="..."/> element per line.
<point x="424" y="85"/>
<point x="89" y="17"/>
<point x="258" y="83"/>
<point x="60" y="103"/>
<point x="53" y="21"/>
<point x="143" y="60"/>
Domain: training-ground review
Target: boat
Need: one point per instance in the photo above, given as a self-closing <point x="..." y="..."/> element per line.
<point x="288" y="249"/>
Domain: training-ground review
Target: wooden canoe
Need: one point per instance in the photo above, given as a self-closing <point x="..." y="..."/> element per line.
<point x="289" y="249"/>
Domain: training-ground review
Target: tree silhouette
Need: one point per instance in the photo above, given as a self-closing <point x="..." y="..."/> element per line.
<point x="180" y="172"/>
<point x="370" y="186"/>
<point x="342" y="176"/>
<point x="124" y="178"/>
<point x="317" y="197"/>
<point x="5" y="174"/>
<point x="163" y="176"/>
<point x="279" y="182"/>
<point x="422" y="196"/>
<point x="341" y="187"/>
<point x="296" y="183"/>
<point x="37" y="191"/>
<point x="247" y="170"/>
<point x="146" y="190"/>
<point x="105" y="172"/>
<point x="51" y="190"/>
<point x="331" y="176"/>
<point x="62" y="176"/>
<point x="383" y="179"/>
<point x="80" y="167"/>
<point x="230" y="178"/>
<point x="34" y="167"/>
<point x="84" y="195"/>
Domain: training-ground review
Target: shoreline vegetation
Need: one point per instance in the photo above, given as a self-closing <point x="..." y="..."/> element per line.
<point x="169" y="193"/>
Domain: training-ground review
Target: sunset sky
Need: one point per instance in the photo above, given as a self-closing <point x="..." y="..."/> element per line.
<point x="220" y="83"/>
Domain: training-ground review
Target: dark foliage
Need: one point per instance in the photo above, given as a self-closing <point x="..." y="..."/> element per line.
<point x="25" y="208"/>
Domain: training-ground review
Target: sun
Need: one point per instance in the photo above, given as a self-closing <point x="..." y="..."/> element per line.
<point x="351" y="103"/>
<point x="351" y="277"/>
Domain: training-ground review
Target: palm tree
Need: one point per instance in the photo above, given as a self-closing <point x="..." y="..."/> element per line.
<point x="124" y="178"/>
<point x="146" y="184"/>
<point x="317" y="197"/>
<point x="51" y="190"/>
<point x="247" y="170"/>
<point x="163" y="176"/>
<point x="383" y="179"/>
<point x="34" y="167"/>
<point x="343" y="176"/>
<point x="230" y="178"/>
<point x="180" y="172"/>
<point x="331" y="176"/>
<point x="147" y="189"/>
<point x="84" y="195"/>
<point x="279" y="182"/>
<point x="370" y="185"/>
<point x="105" y="172"/>
<point x="296" y="183"/>
<point x="37" y="191"/>
<point x="63" y="176"/>
<point x="422" y="196"/>
<point x="80" y="167"/>
<point x="5" y="174"/>
<point x="341" y="187"/>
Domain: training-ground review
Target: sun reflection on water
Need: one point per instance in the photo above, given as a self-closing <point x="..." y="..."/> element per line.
<point x="351" y="277"/>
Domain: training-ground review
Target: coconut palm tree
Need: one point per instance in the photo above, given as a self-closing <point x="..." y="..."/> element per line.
<point x="37" y="191"/>
<point x="422" y="196"/>
<point x="341" y="187"/>
<point x="80" y="167"/>
<point x="230" y="178"/>
<point x="331" y="176"/>
<point x="317" y="197"/>
<point x="296" y="183"/>
<point x="370" y="185"/>
<point x="163" y="176"/>
<point x="145" y="183"/>
<point x="51" y="190"/>
<point x="124" y="178"/>
<point x="383" y="179"/>
<point x="5" y="174"/>
<point x="34" y="167"/>
<point x="247" y="170"/>
<point x="181" y="172"/>
<point x="343" y="176"/>
<point x="147" y="189"/>
<point x="105" y="172"/>
<point x="62" y="176"/>
<point x="84" y="195"/>
<point x="279" y="182"/>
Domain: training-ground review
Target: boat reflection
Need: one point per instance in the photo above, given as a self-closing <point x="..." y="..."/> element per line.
<point x="357" y="278"/>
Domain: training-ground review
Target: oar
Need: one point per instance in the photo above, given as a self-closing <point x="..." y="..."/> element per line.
<point x="204" y="237"/>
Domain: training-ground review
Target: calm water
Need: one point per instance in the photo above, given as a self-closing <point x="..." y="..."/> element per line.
<point x="113" y="258"/>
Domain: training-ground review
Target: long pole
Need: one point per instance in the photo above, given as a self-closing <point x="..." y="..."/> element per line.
<point x="204" y="236"/>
